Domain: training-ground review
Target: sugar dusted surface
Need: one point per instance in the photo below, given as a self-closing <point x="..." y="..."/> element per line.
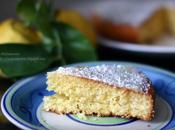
<point x="115" y="75"/>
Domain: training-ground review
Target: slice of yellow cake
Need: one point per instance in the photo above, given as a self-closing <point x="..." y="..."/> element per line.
<point x="105" y="90"/>
<point x="132" y="22"/>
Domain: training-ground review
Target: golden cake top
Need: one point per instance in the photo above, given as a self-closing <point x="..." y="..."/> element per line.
<point x="116" y="75"/>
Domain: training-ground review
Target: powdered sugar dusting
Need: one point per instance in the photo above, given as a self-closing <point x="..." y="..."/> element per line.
<point x="115" y="75"/>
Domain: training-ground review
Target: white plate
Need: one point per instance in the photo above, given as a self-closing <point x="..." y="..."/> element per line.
<point x="134" y="47"/>
<point x="22" y="105"/>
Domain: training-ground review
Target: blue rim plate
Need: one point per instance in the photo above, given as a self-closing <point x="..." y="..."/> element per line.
<point x="22" y="105"/>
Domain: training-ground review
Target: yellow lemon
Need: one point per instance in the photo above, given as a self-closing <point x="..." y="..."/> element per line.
<point x="76" y="20"/>
<point x="14" y="31"/>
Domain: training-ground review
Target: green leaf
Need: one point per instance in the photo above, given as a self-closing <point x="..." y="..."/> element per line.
<point x="18" y="60"/>
<point x="34" y="11"/>
<point x="66" y="42"/>
<point x="38" y="14"/>
<point x="26" y="10"/>
<point x="76" y="47"/>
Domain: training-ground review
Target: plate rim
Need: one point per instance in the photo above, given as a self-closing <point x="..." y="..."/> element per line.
<point x="140" y="48"/>
<point x="24" y="125"/>
<point x="8" y="115"/>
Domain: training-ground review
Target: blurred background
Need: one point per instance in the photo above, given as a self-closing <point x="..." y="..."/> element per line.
<point x="120" y="30"/>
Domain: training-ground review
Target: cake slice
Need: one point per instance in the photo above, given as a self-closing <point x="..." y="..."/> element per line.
<point x="105" y="90"/>
<point x="133" y="22"/>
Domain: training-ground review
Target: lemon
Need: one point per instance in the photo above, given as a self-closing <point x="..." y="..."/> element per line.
<point x="14" y="31"/>
<point x="76" y="20"/>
